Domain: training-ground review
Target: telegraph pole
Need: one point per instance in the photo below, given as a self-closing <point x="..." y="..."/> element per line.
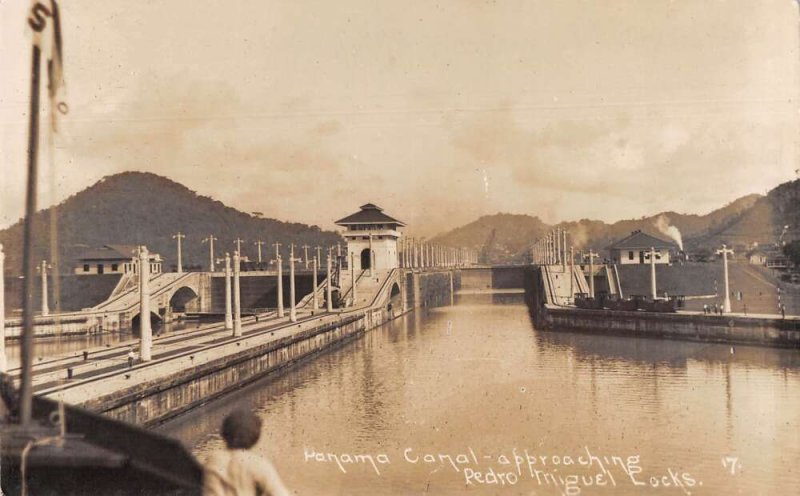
<point x="591" y="272"/>
<point x="3" y="360"/>
<point x="279" y="263"/>
<point x="210" y="239"/>
<point x="316" y="285"/>
<point x="652" y="255"/>
<point x="258" y="244"/>
<point x="228" y="305"/>
<point x="237" y="295"/>
<point x="725" y="251"/>
<point x="292" y="308"/>
<point x="238" y="242"/>
<point x="329" y="285"/>
<point x="179" y="237"/>
<point x="45" y="305"/>
<point x="145" y="331"/>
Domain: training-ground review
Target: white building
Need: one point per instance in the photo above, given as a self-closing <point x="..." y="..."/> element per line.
<point x="371" y="228"/>
<point x="114" y="259"/>
<point x="635" y="249"/>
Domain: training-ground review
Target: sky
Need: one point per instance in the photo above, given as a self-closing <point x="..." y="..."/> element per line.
<point x="438" y="111"/>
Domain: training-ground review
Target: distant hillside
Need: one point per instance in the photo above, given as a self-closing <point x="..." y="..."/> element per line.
<point x="749" y="219"/>
<point x="142" y="208"/>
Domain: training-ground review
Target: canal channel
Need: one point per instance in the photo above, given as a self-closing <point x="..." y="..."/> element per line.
<point x="470" y="397"/>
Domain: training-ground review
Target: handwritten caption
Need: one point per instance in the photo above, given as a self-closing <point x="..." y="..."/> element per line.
<point x="569" y="474"/>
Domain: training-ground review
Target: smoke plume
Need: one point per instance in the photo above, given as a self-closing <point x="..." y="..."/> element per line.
<point x="662" y="224"/>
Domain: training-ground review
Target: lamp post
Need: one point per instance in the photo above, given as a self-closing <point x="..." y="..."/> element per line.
<point x="145" y="331"/>
<point x="571" y="273"/>
<point x="3" y="361"/>
<point x="725" y="251"/>
<point x="179" y="237"/>
<point x="591" y="256"/>
<point x="237" y="295"/>
<point x="279" y="265"/>
<point x="258" y="244"/>
<point x="353" y="276"/>
<point x="228" y="304"/>
<point x="292" y="307"/>
<point x="328" y="285"/>
<point x="305" y="255"/>
<point x="43" y="273"/>
<point x="210" y="240"/>
<point x="371" y="258"/>
<point x="652" y="255"/>
<point x="316" y="285"/>
<point x="238" y="242"/>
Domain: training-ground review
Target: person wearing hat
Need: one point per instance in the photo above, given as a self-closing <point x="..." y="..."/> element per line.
<point x="238" y="471"/>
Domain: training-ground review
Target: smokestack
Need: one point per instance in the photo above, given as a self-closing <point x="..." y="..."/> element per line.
<point x="662" y="224"/>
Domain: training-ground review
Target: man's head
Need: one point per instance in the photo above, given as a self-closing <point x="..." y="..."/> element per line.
<point x="241" y="429"/>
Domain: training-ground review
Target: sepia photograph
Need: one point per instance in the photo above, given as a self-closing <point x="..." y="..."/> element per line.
<point x="420" y="247"/>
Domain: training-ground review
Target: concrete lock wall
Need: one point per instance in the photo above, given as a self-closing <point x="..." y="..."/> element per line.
<point x="707" y="328"/>
<point x="432" y="289"/>
<point x="151" y="403"/>
<point x="493" y="278"/>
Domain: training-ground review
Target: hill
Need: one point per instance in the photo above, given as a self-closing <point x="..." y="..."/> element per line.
<point x="746" y="220"/>
<point x="142" y="208"/>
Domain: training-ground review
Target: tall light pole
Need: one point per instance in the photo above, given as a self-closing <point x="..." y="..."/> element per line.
<point x="305" y="255"/>
<point x="316" y="285"/>
<point x="591" y="272"/>
<point x="329" y="285"/>
<point x="652" y="255"/>
<point x="258" y="244"/>
<point x="571" y="274"/>
<point x="228" y="303"/>
<point x="237" y="295"/>
<point x="145" y="331"/>
<point x="725" y="251"/>
<point x="279" y="265"/>
<point x="371" y="258"/>
<point x="210" y="240"/>
<point x="3" y="360"/>
<point x="179" y="237"/>
<point x="43" y="273"/>
<point x="239" y="242"/>
<point x="353" y="276"/>
<point x="292" y="307"/>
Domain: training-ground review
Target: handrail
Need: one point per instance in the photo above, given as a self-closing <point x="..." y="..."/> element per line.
<point x="344" y="296"/>
<point x="157" y="292"/>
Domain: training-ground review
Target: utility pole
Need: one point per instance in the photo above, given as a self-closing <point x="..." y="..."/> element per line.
<point x="316" y="285"/>
<point x="238" y="242"/>
<point x="179" y="237"/>
<point x="3" y="360"/>
<point x="237" y="295"/>
<point x="305" y="255"/>
<point x="564" y="247"/>
<point x="279" y="263"/>
<point x="292" y="308"/>
<point x="353" y="276"/>
<point x="591" y="272"/>
<point x="329" y="286"/>
<point x="258" y="244"/>
<point x="228" y="304"/>
<point x="43" y="272"/>
<point x="652" y="255"/>
<point x="145" y="331"/>
<point x="210" y="239"/>
<point x="571" y="274"/>
<point x="725" y="251"/>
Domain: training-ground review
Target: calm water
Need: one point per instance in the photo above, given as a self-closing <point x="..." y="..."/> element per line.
<point x="473" y="385"/>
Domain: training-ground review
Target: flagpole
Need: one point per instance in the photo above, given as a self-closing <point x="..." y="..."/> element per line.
<point x="26" y="385"/>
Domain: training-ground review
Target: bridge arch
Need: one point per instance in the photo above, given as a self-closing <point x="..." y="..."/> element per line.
<point x="183" y="297"/>
<point x="395" y="298"/>
<point x="155" y="321"/>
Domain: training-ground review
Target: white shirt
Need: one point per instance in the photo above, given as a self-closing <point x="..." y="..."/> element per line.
<point x="241" y="473"/>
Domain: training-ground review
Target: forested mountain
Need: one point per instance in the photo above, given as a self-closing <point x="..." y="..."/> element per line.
<point x="135" y="208"/>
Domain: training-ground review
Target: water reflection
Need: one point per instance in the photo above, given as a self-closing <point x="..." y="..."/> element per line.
<point x="476" y="376"/>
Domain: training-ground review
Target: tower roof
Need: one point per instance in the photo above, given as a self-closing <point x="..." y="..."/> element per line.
<point x="369" y="214"/>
